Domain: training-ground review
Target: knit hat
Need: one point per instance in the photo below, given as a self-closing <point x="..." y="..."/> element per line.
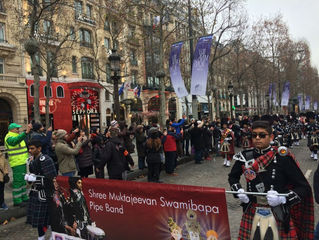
<point x="153" y="133"/>
<point x="60" y="133"/>
<point x="113" y="123"/>
<point x="36" y="126"/>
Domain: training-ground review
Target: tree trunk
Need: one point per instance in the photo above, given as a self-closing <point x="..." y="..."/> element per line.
<point x="47" y="101"/>
<point x="35" y="70"/>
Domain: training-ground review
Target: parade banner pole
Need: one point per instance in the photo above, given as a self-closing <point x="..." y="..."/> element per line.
<point x="256" y="193"/>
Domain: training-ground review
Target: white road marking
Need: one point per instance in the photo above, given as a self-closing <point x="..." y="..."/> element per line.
<point x="307" y="174"/>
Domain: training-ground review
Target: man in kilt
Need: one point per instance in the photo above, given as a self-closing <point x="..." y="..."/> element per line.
<point x="312" y="132"/>
<point x="42" y="172"/>
<point x="272" y="170"/>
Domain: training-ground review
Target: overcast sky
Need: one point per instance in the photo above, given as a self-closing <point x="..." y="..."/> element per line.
<point x="301" y="16"/>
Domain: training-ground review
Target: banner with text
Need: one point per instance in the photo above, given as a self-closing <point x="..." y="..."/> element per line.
<point x="307" y="103"/>
<point x="300" y="102"/>
<point x="175" y="71"/>
<point x="135" y="210"/>
<point x="285" y="95"/>
<point x="200" y="66"/>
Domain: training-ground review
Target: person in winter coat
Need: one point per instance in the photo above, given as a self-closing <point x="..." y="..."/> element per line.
<point x="97" y="147"/>
<point x="140" y="146"/>
<point x="197" y="140"/>
<point x="4" y="169"/>
<point x="114" y="156"/>
<point x="66" y="154"/>
<point x="154" y="153"/>
<point x="169" y="141"/>
<point x="38" y="133"/>
<point x="85" y="158"/>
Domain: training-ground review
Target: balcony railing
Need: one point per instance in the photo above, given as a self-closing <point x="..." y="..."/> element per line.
<point x="86" y="44"/>
<point x="8" y="78"/>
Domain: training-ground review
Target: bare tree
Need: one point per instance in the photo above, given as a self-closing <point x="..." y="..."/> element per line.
<point x="226" y="21"/>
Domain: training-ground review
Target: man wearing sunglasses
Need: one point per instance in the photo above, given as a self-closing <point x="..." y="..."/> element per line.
<point x="273" y="171"/>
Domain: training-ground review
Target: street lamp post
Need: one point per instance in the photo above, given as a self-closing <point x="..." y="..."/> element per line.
<point x="115" y="62"/>
<point x="231" y="94"/>
<point x="85" y="95"/>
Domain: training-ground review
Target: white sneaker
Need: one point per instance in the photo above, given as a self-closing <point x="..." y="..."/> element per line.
<point x="315" y="157"/>
<point x="312" y="154"/>
<point x="41" y="238"/>
<point x="227" y="163"/>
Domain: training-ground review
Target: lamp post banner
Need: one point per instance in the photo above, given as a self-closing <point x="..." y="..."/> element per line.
<point x="285" y="94"/>
<point x="300" y="101"/>
<point x="315" y="106"/>
<point x="307" y="103"/>
<point x="175" y="71"/>
<point x="137" y="210"/>
<point x="200" y="66"/>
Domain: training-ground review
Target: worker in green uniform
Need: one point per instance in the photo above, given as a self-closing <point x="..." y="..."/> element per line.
<point x="17" y="156"/>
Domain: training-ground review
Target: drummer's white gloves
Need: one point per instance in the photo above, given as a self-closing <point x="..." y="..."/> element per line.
<point x="275" y="200"/>
<point x="26" y="176"/>
<point x="30" y="177"/>
<point x="242" y="196"/>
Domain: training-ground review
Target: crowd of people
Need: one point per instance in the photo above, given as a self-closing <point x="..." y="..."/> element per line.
<point x="78" y="153"/>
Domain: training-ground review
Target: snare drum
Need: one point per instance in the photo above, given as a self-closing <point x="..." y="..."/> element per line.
<point x="95" y="233"/>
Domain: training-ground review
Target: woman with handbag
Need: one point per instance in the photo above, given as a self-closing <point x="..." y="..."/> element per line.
<point x="4" y="178"/>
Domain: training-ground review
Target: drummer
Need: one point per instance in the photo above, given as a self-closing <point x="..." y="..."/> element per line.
<point x="271" y="170"/>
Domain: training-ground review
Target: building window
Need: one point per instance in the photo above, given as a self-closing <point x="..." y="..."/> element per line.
<point x="156" y="82"/>
<point x="85" y="38"/>
<point x="89" y="11"/>
<point x="60" y="92"/>
<point x="108" y="73"/>
<point x="72" y="33"/>
<point x="134" y="79"/>
<point x="115" y="44"/>
<point x="87" y="68"/>
<point x="45" y="91"/>
<point x="131" y="32"/>
<point x="107" y="24"/>
<point x="107" y="43"/>
<point x="1" y="6"/>
<point x="74" y="67"/>
<point x="52" y="63"/>
<point x="2" y="33"/>
<point x="47" y="27"/>
<point x="32" y="90"/>
<point x="78" y="8"/>
<point x="133" y="58"/>
<point x="107" y="95"/>
<point x="1" y="66"/>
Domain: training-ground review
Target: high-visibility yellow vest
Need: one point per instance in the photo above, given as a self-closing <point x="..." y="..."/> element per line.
<point x="18" y="154"/>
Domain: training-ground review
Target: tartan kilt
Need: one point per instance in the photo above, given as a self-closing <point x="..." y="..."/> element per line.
<point x="247" y="221"/>
<point x="38" y="212"/>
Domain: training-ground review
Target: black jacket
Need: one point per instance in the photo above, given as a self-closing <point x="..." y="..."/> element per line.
<point x="113" y="156"/>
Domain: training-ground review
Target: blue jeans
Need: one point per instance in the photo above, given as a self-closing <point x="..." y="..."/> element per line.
<point x="317" y="232"/>
<point x="68" y="174"/>
<point x="141" y="162"/>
